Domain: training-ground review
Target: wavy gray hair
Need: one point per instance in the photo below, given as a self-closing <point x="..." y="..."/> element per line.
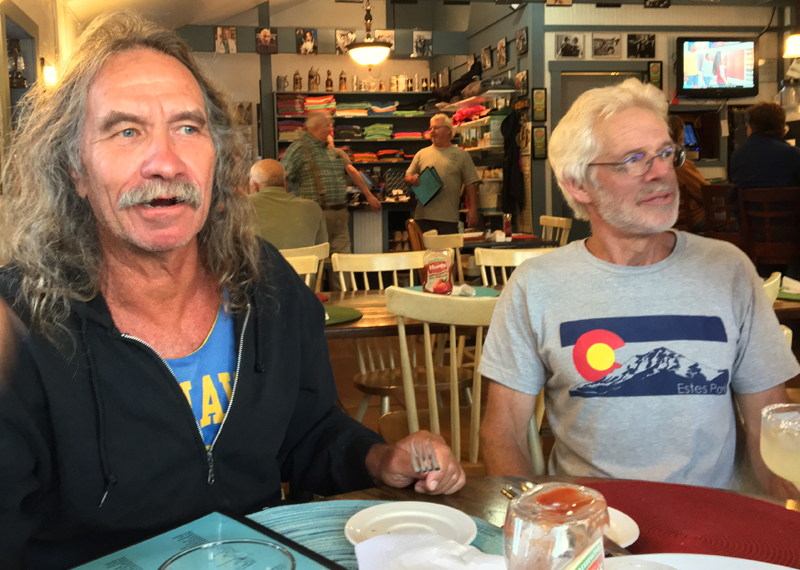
<point x="52" y="236"/>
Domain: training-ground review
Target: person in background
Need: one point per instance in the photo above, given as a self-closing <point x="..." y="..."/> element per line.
<point x="356" y="177"/>
<point x="284" y="220"/>
<point x="690" y="181"/>
<point x="765" y="160"/>
<point x="456" y="170"/>
<point x="174" y="364"/>
<point x="708" y="69"/>
<point x="691" y="73"/>
<point x="720" y="69"/>
<point x="639" y="334"/>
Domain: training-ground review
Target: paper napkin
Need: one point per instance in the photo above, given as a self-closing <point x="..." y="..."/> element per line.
<point x="790" y="285"/>
<point x="422" y="552"/>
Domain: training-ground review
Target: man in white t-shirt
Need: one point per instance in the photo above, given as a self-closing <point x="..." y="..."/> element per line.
<point x="638" y="334"/>
<point x="456" y="170"/>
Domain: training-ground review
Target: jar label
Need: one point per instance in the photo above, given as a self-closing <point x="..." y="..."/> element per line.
<point x="590" y="559"/>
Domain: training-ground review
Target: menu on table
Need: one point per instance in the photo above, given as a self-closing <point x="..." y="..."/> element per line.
<point x="152" y="553"/>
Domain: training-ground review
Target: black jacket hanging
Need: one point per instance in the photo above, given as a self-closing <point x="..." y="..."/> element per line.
<point x="513" y="181"/>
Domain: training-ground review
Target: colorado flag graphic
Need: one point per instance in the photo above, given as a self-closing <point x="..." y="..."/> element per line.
<point x="659" y="372"/>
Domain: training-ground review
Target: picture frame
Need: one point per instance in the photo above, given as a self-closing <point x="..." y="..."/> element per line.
<point x="657" y="3"/>
<point x="558" y="3"/>
<point x="343" y="39"/>
<point x="422" y="44"/>
<point x="539" y="100"/>
<point x="224" y="39"/>
<point x="521" y="83"/>
<point x="385" y="36"/>
<point x="266" y="41"/>
<point x="539" y="142"/>
<point x="655" y="75"/>
<point x="641" y="46"/>
<point x="521" y="41"/>
<point x="502" y="54"/>
<point x="570" y="46"/>
<point x="306" y="41"/>
<point x="486" y="58"/>
<point x="606" y="45"/>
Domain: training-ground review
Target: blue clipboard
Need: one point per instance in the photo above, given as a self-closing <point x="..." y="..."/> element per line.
<point x="429" y="185"/>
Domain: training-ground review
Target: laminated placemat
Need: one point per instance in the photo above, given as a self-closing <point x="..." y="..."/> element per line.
<point x="320" y="527"/>
<point x="699" y="520"/>
<point x="479" y="291"/>
<point x="339" y="315"/>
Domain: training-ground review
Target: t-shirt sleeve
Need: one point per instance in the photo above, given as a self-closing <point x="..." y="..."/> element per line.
<point x="763" y="357"/>
<point x="291" y="161"/>
<point x="469" y="174"/>
<point x="511" y="353"/>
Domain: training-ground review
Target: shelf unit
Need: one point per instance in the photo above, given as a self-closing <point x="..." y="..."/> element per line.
<point x="491" y="95"/>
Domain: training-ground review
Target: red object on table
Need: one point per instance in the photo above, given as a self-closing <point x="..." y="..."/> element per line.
<point x="698" y="520"/>
<point x="322" y="297"/>
<point x="523" y="236"/>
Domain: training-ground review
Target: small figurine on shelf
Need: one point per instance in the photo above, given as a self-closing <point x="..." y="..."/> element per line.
<point x="298" y="81"/>
<point x="313" y="79"/>
<point x="424" y="84"/>
<point x="329" y="82"/>
<point x="282" y="83"/>
<point x="342" y="81"/>
<point x="410" y="84"/>
<point x="382" y="86"/>
<point x="355" y="82"/>
<point x="432" y="84"/>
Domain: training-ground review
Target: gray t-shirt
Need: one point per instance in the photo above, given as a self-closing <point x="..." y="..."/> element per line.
<point x="455" y="168"/>
<point x="638" y="362"/>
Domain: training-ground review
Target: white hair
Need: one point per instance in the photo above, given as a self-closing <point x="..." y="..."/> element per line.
<point x="316" y="119"/>
<point x="573" y="144"/>
<point x="442" y="118"/>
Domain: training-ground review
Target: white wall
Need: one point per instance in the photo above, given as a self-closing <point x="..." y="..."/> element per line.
<point x="326" y="14"/>
<point x="58" y="28"/>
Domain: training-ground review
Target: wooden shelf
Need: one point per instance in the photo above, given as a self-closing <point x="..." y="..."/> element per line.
<point x="355" y="94"/>
<point x="487" y="148"/>
<point x="478" y="99"/>
<point x="482" y="122"/>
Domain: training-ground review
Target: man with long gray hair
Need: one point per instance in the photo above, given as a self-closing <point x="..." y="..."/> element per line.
<point x="150" y="307"/>
<point x="639" y="352"/>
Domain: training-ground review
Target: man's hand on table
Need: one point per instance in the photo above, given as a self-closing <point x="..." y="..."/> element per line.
<point x="392" y="466"/>
<point x="374" y="204"/>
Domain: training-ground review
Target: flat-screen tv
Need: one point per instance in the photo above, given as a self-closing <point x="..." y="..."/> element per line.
<point x="717" y="68"/>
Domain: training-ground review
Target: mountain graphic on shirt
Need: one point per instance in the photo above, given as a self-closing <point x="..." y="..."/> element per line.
<point x="660" y="372"/>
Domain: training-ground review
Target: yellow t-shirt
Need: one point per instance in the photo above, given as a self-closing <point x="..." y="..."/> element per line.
<point x="690" y="64"/>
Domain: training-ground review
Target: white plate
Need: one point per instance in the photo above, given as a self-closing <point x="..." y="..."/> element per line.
<point x="694" y="562"/>
<point x="410" y="517"/>
<point x="622" y="529"/>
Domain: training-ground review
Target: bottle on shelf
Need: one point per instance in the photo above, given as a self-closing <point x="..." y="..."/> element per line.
<point x="355" y="83"/>
<point x="297" y="81"/>
<point x="343" y="81"/>
<point x="416" y="82"/>
<point x="424" y="84"/>
<point x="329" y="82"/>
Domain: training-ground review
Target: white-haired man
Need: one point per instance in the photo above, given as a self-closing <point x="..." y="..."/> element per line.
<point x="637" y="334"/>
<point x="456" y="170"/>
<point x="149" y="306"/>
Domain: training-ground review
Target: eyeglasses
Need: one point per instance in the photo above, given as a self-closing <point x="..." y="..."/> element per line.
<point x="636" y="165"/>
<point x="439" y="127"/>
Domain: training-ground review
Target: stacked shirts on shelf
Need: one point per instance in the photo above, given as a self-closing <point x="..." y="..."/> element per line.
<point x="407" y="156"/>
<point x="320" y="103"/>
<point x="391" y="155"/>
<point x="348" y="151"/>
<point x="377" y="131"/>
<point x="427" y="135"/>
<point x="409" y="135"/>
<point x="365" y="157"/>
<point x="400" y="113"/>
<point x="290" y="105"/>
<point x="347" y="132"/>
<point x="383" y="108"/>
<point x="289" y="130"/>
<point x="468" y="114"/>
<point x="355" y="109"/>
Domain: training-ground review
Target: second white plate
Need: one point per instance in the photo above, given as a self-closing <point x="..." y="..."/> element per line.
<point x="410" y="517"/>
<point x="622" y="529"/>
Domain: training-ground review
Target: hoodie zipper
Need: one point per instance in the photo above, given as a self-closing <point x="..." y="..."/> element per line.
<point x="210" y="450"/>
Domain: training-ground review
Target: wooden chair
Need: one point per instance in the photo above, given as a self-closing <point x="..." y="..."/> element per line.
<point x="378" y="373"/>
<point x="321" y="251"/>
<point x="455" y="312"/>
<point x="684" y="221"/>
<point x="305" y="265"/>
<point x="499" y="259"/>
<point x="720" y="223"/>
<point x="772" y="286"/>
<point x="447" y="241"/>
<point x="415" y="242"/>
<point x="770" y="223"/>
<point x="555" y="229"/>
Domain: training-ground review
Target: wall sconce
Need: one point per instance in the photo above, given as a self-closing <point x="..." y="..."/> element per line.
<point x="792" y="46"/>
<point x="48" y="73"/>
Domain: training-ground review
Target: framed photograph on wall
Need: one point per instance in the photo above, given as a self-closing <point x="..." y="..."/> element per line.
<point x="606" y="46"/>
<point x="486" y="58"/>
<point x="569" y="46"/>
<point x="306" y="41"/>
<point x="654" y="76"/>
<point x="502" y="56"/>
<point x="385" y="36"/>
<point x="225" y="40"/>
<point x="657" y="3"/>
<point x="539" y="96"/>
<point x="521" y="41"/>
<point x="266" y="41"/>
<point x="521" y="83"/>
<point x="641" y="46"/>
<point x="343" y="39"/>
<point x="539" y="142"/>
<point x="423" y="44"/>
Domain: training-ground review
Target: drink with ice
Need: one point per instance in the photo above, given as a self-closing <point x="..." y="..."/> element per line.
<point x="780" y="440"/>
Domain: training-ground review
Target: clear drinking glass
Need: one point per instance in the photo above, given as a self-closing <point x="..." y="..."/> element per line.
<point x="237" y="554"/>
<point x="555" y="526"/>
<point x="780" y="440"/>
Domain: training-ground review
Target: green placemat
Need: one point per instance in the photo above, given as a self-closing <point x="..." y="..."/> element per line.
<point x="785" y="296"/>
<point x="339" y="315"/>
<point x="479" y="291"/>
<point x="320" y="527"/>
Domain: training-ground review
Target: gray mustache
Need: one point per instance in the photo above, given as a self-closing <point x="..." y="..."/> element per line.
<point x="145" y="193"/>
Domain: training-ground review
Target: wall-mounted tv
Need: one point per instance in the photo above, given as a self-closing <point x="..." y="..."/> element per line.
<point x="717" y="68"/>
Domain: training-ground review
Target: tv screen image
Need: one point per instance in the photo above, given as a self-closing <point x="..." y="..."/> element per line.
<point x="711" y="68"/>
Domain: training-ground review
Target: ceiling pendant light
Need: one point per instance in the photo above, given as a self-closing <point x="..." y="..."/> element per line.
<point x="792" y="46"/>
<point x="369" y="52"/>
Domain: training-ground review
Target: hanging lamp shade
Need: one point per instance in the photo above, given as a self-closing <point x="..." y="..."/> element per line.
<point x="792" y="46"/>
<point x="369" y="52"/>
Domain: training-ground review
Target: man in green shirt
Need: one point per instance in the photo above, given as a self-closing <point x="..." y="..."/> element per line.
<point x="283" y="220"/>
<point x="455" y="168"/>
<point x="318" y="172"/>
